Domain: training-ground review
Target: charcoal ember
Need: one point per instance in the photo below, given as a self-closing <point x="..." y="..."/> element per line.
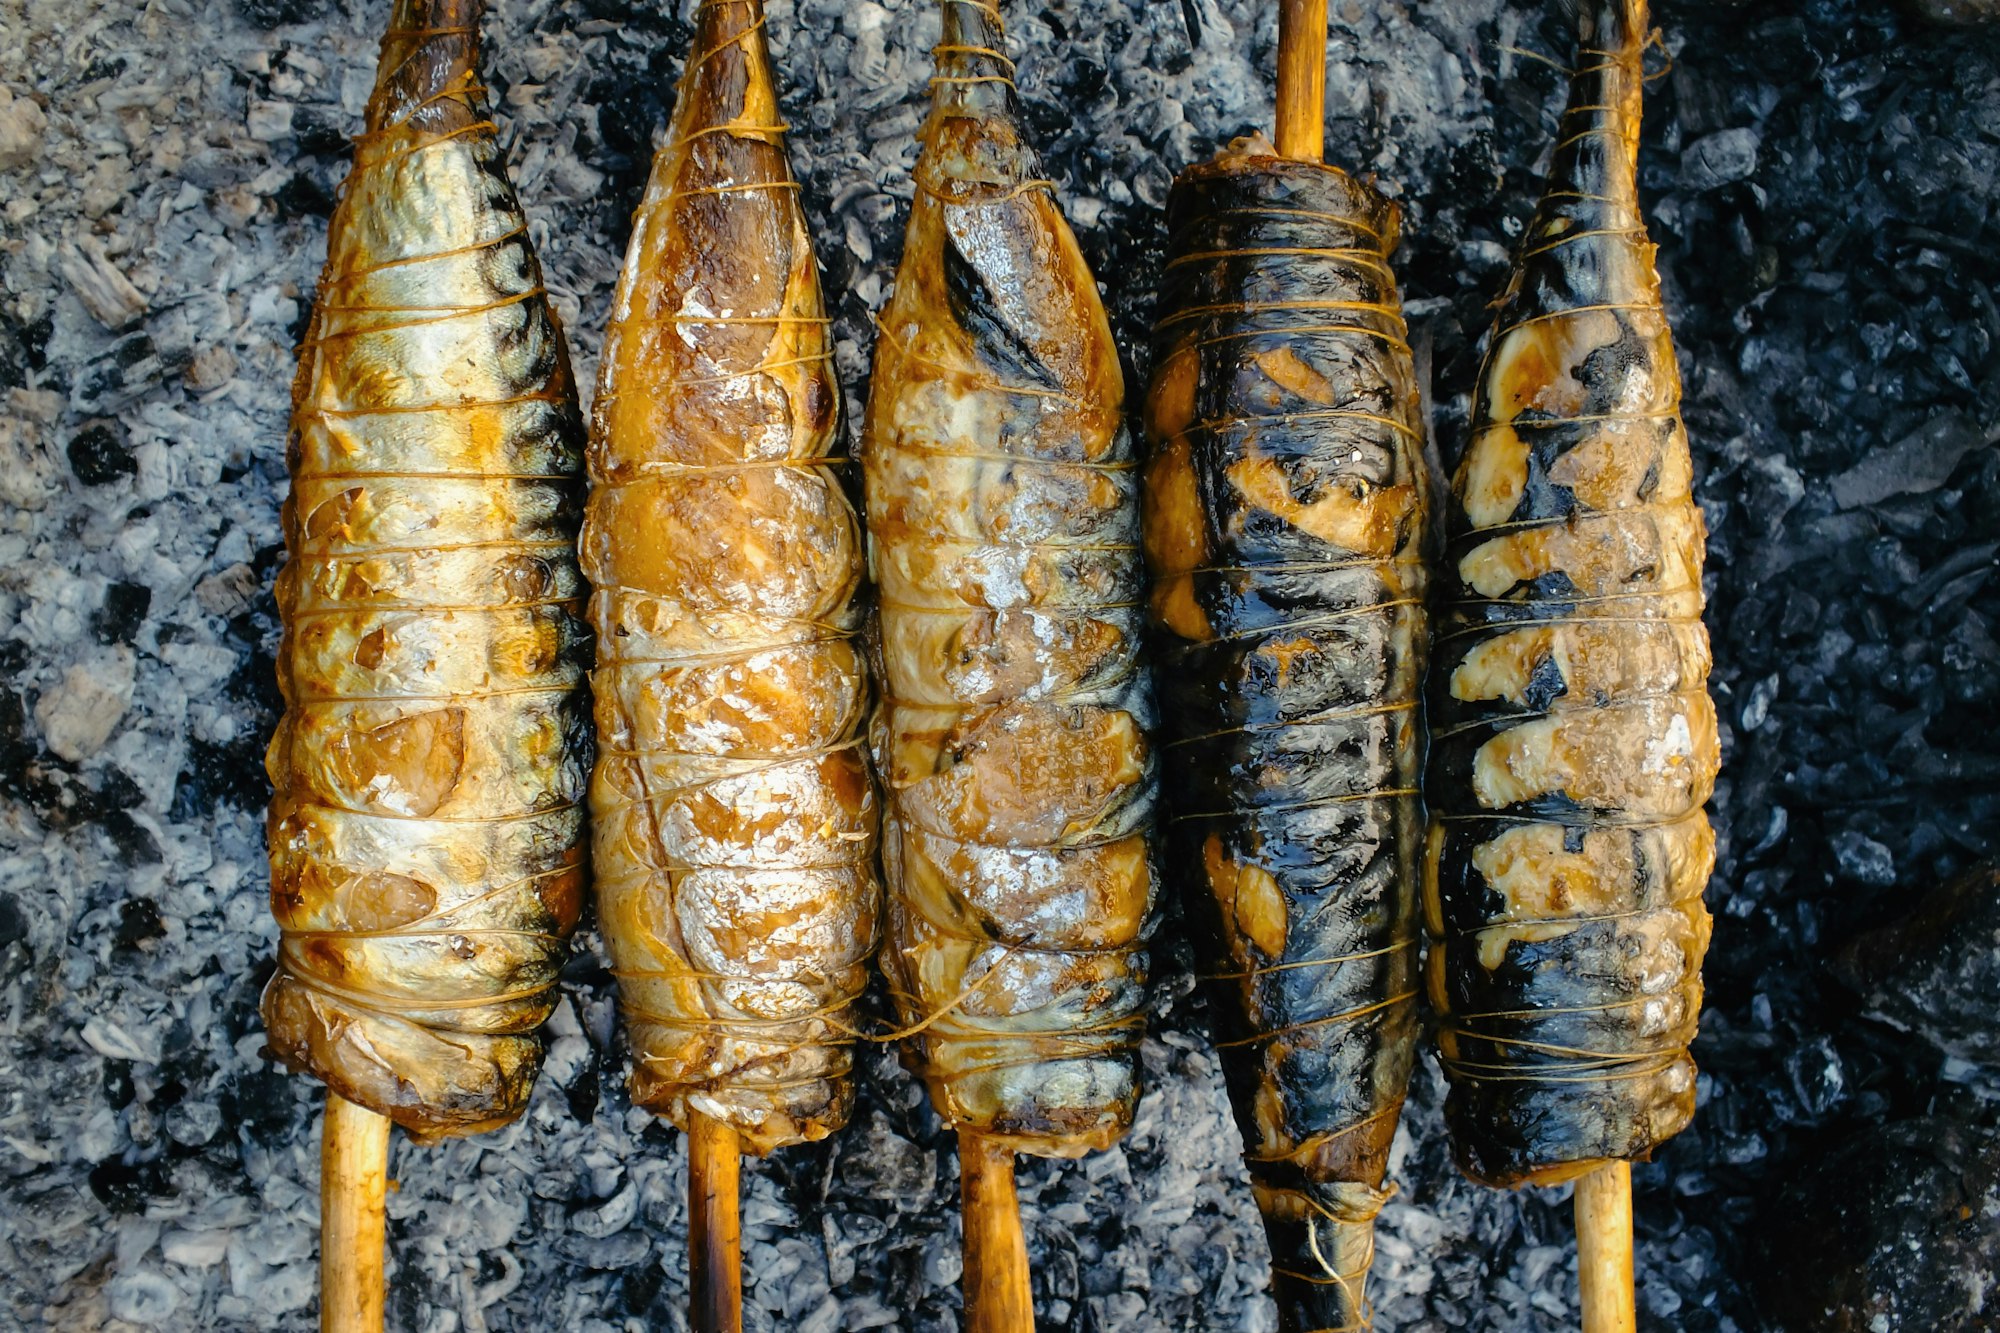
<point x="98" y="455"/>
<point x="1923" y="460"/>
<point x="1936" y="972"/>
<point x="13" y="921"/>
<point x="1862" y="858"/>
<point x="609" y="1217"/>
<point x="1718" y="159"/>
<point x="144" y="1298"/>
<point x="123" y="612"/>
<point x="618" y="1252"/>
<point x="1890" y="1231"/>
<point x="1957" y="13"/>
<point x="275" y="13"/>
<point x="878" y="1163"/>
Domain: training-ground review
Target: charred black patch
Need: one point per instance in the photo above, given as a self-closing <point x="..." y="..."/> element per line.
<point x="139" y="924"/>
<point x="278" y="13"/>
<point x="13" y="921"/>
<point x="123" y="612"/>
<point x="319" y="130"/>
<point x="126" y="1188"/>
<point x="23" y="349"/>
<point x="303" y="195"/>
<point x="98" y="456"/>
<point x="634" y="96"/>
<point x="1546" y="685"/>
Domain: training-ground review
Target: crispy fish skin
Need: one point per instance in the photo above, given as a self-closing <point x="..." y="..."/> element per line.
<point x="733" y="817"/>
<point x="1002" y="509"/>
<point x="1576" y="741"/>
<point x="1287" y="515"/>
<point x="425" y="835"/>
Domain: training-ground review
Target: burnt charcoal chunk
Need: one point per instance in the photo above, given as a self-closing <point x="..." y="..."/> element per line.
<point x="1936" y="972"/>
<point x="139" y="923"/>
<point x="1920" y="462"/>
<point x="123" y="612"/>
<point x="35" y="335"/>
<point x="24" y="348"/>
<point x="118" y="1085"/>
<point x="13" y="921"/>
<point x="303" y="196"/>
<point x="56" y="795"/>
<point x="230" y="775"/>
<point x="319" y="129"/>
<point x="98" y="455"/>
<point x="117" y="795"/>
<point x="15" y="749"/>
<point x="126" y="1188"/>
<point x="1086" y="79"/>
<point x="582" y="1092"/>
<point x="277" y="13"/>
<point x="260" y="1100"/>
<point x="638" y="1288"/>
<point x="1891" y="1232"/>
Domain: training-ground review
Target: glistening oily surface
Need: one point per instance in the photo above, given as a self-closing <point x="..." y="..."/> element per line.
<point x="1819" y="186"/>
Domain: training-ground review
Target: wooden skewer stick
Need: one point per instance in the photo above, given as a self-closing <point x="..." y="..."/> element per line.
<point x="715" y="1225"/>
<point x="1604" y="1249"/>
<point x="353" y="1189"/>
<point x="997" y="1296"/>
<point x="1302" y="79"/>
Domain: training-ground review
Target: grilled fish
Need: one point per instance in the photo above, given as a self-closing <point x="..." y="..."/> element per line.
<point x="1287" y="514"/>
<point x="1002" y="507"/>
<point x="1575" y="740"/>
<point x="733" y="817"/>
<point x="425" y="835"/>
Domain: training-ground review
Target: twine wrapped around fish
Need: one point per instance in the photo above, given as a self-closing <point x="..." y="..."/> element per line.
<point x="425" y="833"/>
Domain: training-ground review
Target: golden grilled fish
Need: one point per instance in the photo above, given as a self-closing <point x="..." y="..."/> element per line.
<point x="1003" y="535"/>
<point x="426" y="865"/>
<point x="734" y="821"/>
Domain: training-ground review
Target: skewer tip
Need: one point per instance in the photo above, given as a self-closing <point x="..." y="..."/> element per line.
<point x="998" y="1298"/>
<point x="715" y="1225"/>
<point x="1604" y="1249"/>
<point x="354" y="1187"/>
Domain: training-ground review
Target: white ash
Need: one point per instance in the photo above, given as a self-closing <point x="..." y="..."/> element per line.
<point x="165" y="170"/>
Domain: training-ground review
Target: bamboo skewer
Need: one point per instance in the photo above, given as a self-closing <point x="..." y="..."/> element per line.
<point x="1604" y="1249"/>
<point x="353" y="1185"/>
<point x="1302" y="79"/>
<point x="997" y="1294"/>
<point x="715" y="1226"/>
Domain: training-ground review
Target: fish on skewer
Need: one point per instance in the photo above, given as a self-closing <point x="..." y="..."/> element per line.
<point x="733" y="816"/>
<point x="426" y="828"/>
<point x="1575" y="740"/>
<point x="1002" y="506"/>
<point x="425" y="834"/>
<point x="1287" y="523"/>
